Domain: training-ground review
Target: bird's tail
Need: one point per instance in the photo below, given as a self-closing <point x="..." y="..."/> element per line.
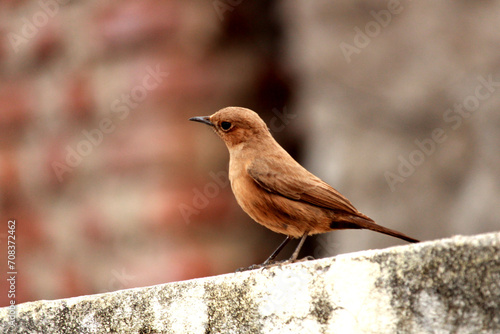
<point x="371" y="225"/>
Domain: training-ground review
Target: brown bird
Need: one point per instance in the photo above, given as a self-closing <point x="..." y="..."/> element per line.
<point x="275" y="190"/>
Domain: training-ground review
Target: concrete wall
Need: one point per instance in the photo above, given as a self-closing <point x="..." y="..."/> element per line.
<point x="443" y="286"/>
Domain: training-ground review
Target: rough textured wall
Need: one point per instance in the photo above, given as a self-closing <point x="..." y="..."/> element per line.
<point x="443" y="286"/>
<point x="403" y="111"/>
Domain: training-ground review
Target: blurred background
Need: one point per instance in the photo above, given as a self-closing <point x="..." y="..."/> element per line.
<point x="394" y="103"/>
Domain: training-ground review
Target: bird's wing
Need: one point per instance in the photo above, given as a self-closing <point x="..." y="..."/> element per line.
<point x="293" y="181"/>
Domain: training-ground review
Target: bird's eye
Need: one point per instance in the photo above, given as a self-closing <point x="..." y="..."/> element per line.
<point x="225" y="126"/>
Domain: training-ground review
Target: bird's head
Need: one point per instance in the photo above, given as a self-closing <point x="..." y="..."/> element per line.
<point x="235" y="125"/>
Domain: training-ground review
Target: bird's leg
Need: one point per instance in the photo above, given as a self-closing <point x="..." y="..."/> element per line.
<point x="299" y="246"/>
<point x="295" y="254"/>
<point x="270" y="259"/>
<point x="276" y="252"/>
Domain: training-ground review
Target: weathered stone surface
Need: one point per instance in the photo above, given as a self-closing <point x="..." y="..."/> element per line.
<point x="443" y="286"/>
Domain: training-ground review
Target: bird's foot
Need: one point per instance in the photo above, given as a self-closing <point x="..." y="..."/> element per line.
<point x="289" y="261"/>
<point x="264" y="265"/>
<point x="273" y="264"/>
<point x="252" y="267"/>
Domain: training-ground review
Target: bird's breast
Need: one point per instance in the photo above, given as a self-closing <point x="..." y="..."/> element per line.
<point x="271" y="210"/>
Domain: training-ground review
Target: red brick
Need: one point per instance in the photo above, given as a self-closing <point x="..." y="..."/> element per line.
<point x="47" y="43"/>
<point x="15" y="104"/>
<point x="131" y="22"/>
<point x="79" y="100"/>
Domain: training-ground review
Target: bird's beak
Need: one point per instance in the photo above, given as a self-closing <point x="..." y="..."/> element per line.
<point x="202" y="119"/>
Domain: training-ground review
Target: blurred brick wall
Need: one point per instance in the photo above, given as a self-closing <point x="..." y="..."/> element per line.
<point x="110" y="185"/>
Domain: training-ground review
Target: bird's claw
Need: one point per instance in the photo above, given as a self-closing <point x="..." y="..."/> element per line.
<point x="273" y="264"/>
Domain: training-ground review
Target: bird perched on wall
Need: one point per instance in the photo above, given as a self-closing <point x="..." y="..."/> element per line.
<point x="275" y="190"/>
